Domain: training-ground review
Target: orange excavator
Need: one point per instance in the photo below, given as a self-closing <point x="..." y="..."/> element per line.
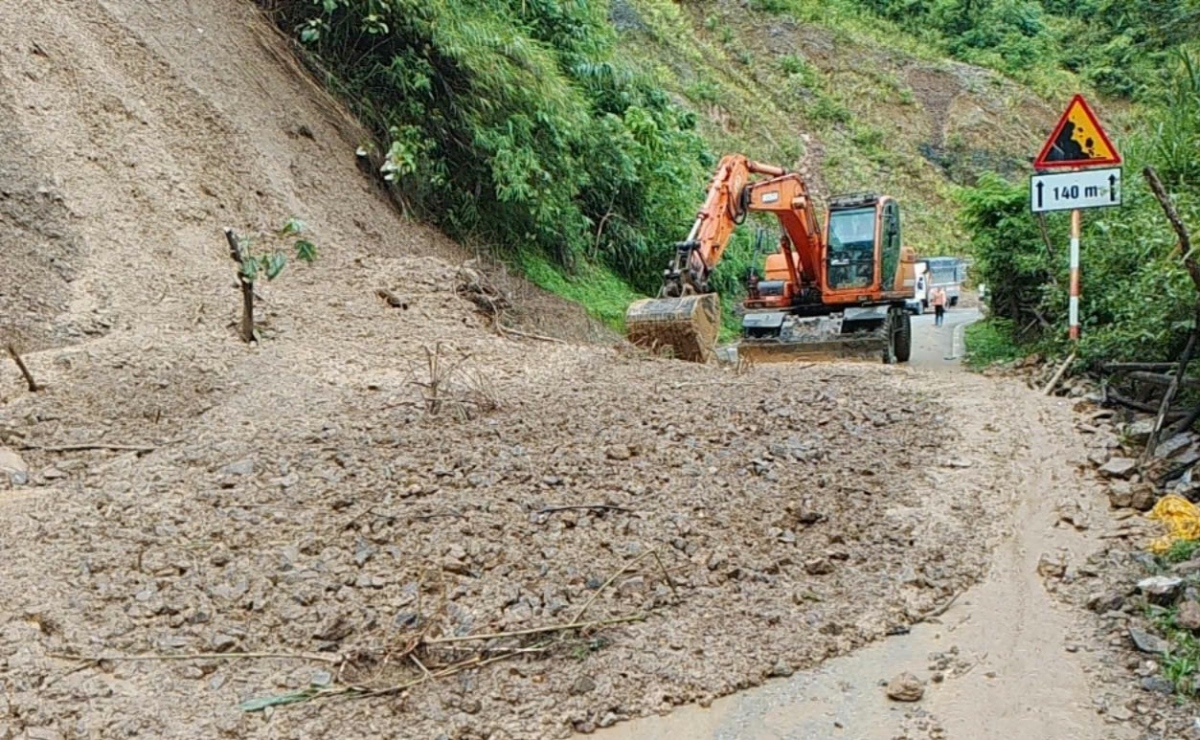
<point x="827" y="293"/>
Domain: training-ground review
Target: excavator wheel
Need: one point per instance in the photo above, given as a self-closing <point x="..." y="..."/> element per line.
<point x="904" y="339"/>
<point x="686" y="326"/>
<point x="897" y="333"/>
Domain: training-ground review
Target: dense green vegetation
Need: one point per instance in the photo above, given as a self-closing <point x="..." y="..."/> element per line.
<point x="1138" y="301"/>
<point x="512" y="123"/>
<point x="1119" y="46"/>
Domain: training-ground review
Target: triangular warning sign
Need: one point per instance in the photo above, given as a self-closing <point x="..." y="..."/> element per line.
<point x="1077" y="141"/>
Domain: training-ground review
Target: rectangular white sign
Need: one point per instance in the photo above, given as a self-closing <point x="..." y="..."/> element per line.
<point x="1066" y="191"/>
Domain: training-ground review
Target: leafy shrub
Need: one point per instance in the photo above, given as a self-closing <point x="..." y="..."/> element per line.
<point x="1120" y="46"/>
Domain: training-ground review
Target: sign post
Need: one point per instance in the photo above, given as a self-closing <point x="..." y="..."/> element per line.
<point x="1073" y="311"/>
<point x="1076" y="143"/>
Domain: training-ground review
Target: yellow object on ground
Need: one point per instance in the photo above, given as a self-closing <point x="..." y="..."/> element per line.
<point x="1181" y="517"/>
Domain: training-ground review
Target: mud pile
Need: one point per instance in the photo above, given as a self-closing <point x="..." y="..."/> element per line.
<point x="371" y="474"/>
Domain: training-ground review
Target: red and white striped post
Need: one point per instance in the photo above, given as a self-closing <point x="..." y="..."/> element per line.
<point x="1074" y="300"/>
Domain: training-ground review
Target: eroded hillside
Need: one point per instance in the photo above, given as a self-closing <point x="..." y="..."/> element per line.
<point x="855" y="106"/>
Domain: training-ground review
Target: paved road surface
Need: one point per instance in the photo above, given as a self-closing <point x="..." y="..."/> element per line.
<point x="941" y="348"/>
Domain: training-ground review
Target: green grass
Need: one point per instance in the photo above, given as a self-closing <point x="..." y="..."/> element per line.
<point x="1180" y="551"/>
<point x="1181" y="665"/>
<point x="990" y="341"/>
<point x="606" y="297"/>
<point x="602" y="294"/>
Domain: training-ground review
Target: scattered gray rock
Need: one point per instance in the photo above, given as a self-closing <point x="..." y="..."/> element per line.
<point x="781" y="670"/>
<point x="1188" y="616"/>
<point x="1158" y="685"/>
<point x="1120" y="494"/>
<point x="363" y="551"/>
<point x="583" y="685"/>
<point x="632" y="586"/>
<point x="818" y="567"/>
<point x="1098" y="457"/>
<point x="1105" y="602"/>
<point x="241" y="467"/>
<point x="1174" y="445"/>
<point x="1050" y="568"/>
<point x="1139" y="431"/>
<point x="14" y="466"/>
<point x="1147" y="642"/>
<point x="322" y="679"/>
<point x="905" y="687"/>
<point x="1160" y="587"/>
<point x="1119" y="467"/>
<point x="1187" y="567"/>
<point x="1144" y="497"/>
<point x="1120" y="713"/>
<point x="619" y="452"/>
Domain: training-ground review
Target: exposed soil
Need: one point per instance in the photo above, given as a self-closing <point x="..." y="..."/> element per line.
<point x="314" y="496"/>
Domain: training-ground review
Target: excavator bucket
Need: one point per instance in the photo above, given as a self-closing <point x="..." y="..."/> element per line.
<point x="687" y="326"/>
<point x="831" y="350"/>
<point x="774" y="337"/>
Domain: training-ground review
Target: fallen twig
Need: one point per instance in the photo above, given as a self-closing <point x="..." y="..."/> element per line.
<point x="438" y="515"/>
<point x="574" y="625"/>
<point x="420" y="665"/>
<point x="1184" y="424"/>
<point x="1117" y="398"/>
<point x="1058" y="375"/>
<point x="333" y="659"/>
<point x="666" y="574"/>
<point x="1162" y="379"/>
<point x="539" y="337"/>
<point x="941" y="609"/>
<point x="33" y="386"/>
<point x="91" y="446"/>
<point x="1117" y="367"/>
<point x="610" y="507"/>
<point x="606" y="584"/>
<point x="363" y="692"/>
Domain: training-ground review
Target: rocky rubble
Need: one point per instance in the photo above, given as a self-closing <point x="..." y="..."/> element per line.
<point x="1143" y="605"/>
<point x="788" y="511"/>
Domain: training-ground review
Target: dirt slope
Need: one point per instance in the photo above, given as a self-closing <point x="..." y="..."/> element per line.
<point x="300" y="496"/>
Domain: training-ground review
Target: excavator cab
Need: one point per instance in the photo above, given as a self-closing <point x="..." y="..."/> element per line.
<point x="862" y="248"/>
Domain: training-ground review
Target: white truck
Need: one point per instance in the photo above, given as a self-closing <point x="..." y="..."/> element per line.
<point x="947" y="273"/>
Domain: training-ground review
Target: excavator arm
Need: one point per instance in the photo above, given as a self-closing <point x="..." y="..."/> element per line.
<point x="731" y="195"/>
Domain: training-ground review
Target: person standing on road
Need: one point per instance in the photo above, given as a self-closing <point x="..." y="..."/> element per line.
<point x="939" y="306"/>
